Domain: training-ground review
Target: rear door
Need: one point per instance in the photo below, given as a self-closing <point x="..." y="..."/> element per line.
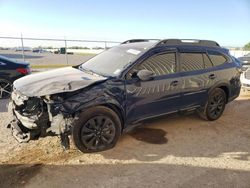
<point x="159" y="96"/>
<point x="198" y="76"/>
<point x="225" y="71"/>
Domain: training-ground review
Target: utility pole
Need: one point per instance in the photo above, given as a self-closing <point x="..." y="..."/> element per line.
<point x="22" y="47"/>
<point x="66" y="55"/>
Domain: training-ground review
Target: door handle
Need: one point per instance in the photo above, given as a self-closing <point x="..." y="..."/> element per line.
<point x="212" y="76"/>
<point x="174" y="83"/>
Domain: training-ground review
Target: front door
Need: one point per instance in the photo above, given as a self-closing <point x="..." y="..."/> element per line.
<point x="158" y="96"/>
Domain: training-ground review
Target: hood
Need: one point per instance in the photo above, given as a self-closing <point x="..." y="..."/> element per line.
<point x="55" y="81"/>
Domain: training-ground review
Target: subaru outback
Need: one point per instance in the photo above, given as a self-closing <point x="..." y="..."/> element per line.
<point x="122" y="87"/>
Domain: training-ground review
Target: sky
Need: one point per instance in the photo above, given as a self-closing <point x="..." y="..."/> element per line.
<point x="226" y="21"/>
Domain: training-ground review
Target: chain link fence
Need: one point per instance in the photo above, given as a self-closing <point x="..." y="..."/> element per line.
<point x="51" y="51"/>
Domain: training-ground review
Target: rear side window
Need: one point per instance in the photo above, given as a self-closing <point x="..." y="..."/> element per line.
<point x="217" y="58"/>
<point x="191" y="61"/>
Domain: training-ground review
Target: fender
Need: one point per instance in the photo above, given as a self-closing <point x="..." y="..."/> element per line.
<point x="222" y="85"/>
<point x="96" y="96"/>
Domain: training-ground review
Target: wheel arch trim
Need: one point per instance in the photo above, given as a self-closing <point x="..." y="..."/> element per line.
<point x="224" y="86"/>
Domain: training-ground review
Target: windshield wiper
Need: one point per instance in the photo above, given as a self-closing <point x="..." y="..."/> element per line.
<point x="91" y="71"/>
<point x="86" y="70"/>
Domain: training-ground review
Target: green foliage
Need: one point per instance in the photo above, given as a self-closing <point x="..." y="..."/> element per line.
<point x="247" y="46"/>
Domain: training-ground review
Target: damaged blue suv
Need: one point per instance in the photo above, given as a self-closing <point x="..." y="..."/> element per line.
<point x="118" y="89"/>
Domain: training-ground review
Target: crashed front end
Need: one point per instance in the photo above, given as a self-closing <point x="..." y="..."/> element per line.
<point x="35" y="117"/>
<point x="47" y="103"/>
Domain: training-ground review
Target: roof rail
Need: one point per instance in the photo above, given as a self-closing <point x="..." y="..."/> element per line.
<point x="194" y="42"/>
<point x="139" y="40"/>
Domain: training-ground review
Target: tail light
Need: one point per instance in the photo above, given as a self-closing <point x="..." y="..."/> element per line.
<point x="24" y="70"/>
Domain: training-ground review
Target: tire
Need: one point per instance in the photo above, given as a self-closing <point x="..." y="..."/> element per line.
<point x="5" y="88"/>
<point x="97" y="129"/>
<point x="215" y="105"/>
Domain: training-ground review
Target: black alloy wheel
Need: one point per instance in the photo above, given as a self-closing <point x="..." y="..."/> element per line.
<point x="5" y="88"/>
<point x="215" y="105"/>
<point x="98" y="132"/>
<point x="97" y="129"/>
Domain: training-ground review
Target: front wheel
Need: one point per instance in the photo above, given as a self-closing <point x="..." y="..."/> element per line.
<point x="97" y="129"/>
<point x="215" y="105"/>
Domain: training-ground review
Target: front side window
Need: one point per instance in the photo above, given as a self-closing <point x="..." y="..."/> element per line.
<point x="191" y="61"/>
<point x="217" y="58"/>
<point x="161" y="64"/>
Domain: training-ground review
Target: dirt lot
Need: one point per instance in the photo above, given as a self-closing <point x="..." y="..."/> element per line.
<point x="176" y="151"/>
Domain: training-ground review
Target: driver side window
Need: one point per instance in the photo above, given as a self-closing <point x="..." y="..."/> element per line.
<point x="160" y="64"/>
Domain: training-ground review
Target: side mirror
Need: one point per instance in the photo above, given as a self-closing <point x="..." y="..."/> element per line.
<point x="145" y="75"/>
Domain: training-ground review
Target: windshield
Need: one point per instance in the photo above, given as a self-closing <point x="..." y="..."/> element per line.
<point x="112" y="61"/>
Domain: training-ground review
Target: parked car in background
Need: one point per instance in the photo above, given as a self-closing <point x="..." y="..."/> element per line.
<point x="245" y="79"/>
<point x="10" y="70"/>
<point x="39" y="50"/>
<point x="245" y="59"/>
<point x="245" y="76"/>
<point x="122" y="87"/>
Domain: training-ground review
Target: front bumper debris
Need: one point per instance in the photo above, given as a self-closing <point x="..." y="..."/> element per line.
<point x="17" y="133"/>
<point x="15" y="127"/>
<point x="35" y="117"/>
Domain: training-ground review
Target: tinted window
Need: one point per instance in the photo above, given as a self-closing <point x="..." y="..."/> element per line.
<point x="160" y="64"/>
<point x="191" y="61"/>
<point x="207" y="61"/>
<point x="216" y="58"/>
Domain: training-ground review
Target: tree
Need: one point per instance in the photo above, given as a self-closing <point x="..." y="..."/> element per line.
<point x="247" y="46"/>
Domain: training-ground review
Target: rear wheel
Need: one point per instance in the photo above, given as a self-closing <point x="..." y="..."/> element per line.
<point x="97" y="129"/>
<point x="5" y="88"/>
<point x="215" y="105"/>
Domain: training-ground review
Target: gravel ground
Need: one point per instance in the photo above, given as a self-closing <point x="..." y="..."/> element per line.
<point x="175" y="151"/>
